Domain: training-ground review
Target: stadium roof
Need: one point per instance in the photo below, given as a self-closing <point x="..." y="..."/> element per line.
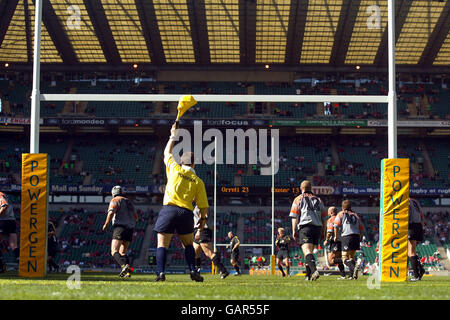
<point x="297" y="33"/>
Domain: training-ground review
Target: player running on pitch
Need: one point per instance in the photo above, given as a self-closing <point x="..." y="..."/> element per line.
<point x="334" y="247"/>
<point x="415" y="235"/>
<point x="234" y="248"/>
<point x="282" y="243"/>
<point x="203" y="242"/>
<point x="7" y="228"/>
<point x="182" y="189"/>
<point x="351" y="233"/>
<point x="123" y="216"/>
<point x="52" y="247"/>
<point x="308" y="225"/>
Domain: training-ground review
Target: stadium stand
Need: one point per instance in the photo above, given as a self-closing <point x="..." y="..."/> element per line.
<point x="415" y="100"/>
<point x="83" y="242"/>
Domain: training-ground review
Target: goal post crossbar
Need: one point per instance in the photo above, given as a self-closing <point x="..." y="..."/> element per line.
<point x="215" y="98"/>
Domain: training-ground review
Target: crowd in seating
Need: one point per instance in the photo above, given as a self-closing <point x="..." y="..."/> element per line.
<point x="17" y="93"/>
<point x="438" y="226"/>
<point x="83" y="242"/>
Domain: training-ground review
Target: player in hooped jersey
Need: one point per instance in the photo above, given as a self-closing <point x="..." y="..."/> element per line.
<point x="308" y="225"/>
<point x="334" y="247"/>
<point x="415" y="236"/>
<point x="351" y="230"/>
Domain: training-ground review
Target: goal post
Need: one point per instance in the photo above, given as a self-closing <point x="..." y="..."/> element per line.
<point x="390" y="99"/>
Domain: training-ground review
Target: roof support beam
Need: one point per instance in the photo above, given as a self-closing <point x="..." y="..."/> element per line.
<point x="347" y="19"/>
<point x="7" y="9"/>
<point x="103" y="31"/>
<point x="247" y="31"/>
<point x="149" y="24"/>
<point x="199" y="32"/>
<point x="57" y="33"/>
<point x="437" y="38"/>
<point x="401" y="12"/>
<point x="300" y="69"/>
<point x="28" y="18"/>
<point x="296" y="30"/>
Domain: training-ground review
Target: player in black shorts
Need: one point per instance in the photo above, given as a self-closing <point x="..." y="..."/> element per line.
<point x="334" y="247"/>
<point x="122" y="214"/>
<point x="308" y="226"/>
<point x="203" y="242"/>
<point x="415" y="236"/>
<point x="7" y="228"/>
<point x="282" y="243"/>
<point x="234" y="248"/>
<point x="52" y="248"/>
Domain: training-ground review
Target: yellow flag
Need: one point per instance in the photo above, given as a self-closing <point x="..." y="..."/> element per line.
<point x="185" y="103"/>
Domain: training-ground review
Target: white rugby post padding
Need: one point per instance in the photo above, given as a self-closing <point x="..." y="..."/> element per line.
<point x="35" y="93"/>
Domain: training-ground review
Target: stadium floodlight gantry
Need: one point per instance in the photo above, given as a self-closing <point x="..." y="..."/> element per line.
<point x="37" y="97"/>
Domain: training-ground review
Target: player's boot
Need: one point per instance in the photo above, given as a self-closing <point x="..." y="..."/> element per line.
<point x="125" y="269"/>
<point x="342" y="278"/>
<point x="160" y="277"/>
<point x="315" y="275"/>
<point x="414" y="279"/>
<point x="195" y="276"/>
<point x="355" y="272"/>
<point x="421" y="271"/>
<point x="225" y="274"/>
<point x="128" y="274"/>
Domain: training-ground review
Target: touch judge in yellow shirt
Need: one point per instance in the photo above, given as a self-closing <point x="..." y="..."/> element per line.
<point x="183" y="188"/>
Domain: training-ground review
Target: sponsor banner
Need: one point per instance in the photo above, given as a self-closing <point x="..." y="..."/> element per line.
<point x="320" y="123"/>
<point x="151" y="122"/>
<point x="19" y="121"/>
<point x="227" y="122"/>
<point x="34" y="216"/>
<point x="394" y="213"/>
<point x="102" y="189"/>
<point x="411" y="123"/>
<point x="323" y="190"/>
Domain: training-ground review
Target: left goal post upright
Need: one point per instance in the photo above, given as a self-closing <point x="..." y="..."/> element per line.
<point x="35" y="179"/>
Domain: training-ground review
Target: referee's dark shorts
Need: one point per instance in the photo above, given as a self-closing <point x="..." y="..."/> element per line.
<point x="173" y="219"/>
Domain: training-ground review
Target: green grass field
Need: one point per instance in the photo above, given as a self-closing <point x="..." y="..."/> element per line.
<point x="140" y="286"/>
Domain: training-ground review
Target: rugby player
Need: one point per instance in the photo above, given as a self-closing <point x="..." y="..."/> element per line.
<point x="415" y="236"/>
<point x="282" y="243"/>
<point x="351" y="233"/>
<point x="203" y="242"/>
<point x="334" y="247"/>
<point x="234" y="248"/>
<point x="308" y="225"/>
<point x="7" y="227"/>
<point x="52" y="247"/>
<point x="182" y="189"/>
<point x="123" y="216"/>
